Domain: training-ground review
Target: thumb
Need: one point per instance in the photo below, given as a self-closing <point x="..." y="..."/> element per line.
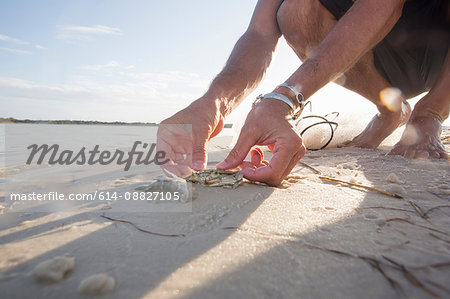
<point x="199" y="154"/>
<point x="238" y="153"/>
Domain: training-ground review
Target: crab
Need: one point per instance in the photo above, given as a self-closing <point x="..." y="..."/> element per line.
<point x="216" y="178"/>
<point x="209" y="177"/>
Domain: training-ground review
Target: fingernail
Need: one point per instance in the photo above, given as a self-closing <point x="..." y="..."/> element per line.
<point x="198" y="165"/>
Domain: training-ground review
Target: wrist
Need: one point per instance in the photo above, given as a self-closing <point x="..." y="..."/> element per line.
<point x="274" y="106"/>
<point x="292" y="93"/>
<point x="221" y="103"/>
<point x="294" y="109"/>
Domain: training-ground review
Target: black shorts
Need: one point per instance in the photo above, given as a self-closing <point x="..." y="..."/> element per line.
<point x="411" y="56"/>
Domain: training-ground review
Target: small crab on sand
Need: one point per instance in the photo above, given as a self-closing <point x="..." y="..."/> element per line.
<point x="216" y="178"/>
<point x="209" y="177"/>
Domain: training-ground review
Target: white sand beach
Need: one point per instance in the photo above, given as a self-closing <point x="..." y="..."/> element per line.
<point x="312" y="239"/>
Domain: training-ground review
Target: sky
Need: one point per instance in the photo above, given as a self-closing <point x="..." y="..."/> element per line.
<point x="131" y="60"/>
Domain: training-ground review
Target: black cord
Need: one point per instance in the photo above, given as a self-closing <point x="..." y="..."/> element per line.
<point x="324" y="121"/>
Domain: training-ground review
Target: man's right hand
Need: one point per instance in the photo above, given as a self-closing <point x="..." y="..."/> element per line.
<point x="267" y="124"/>
<point x="184" y="135"/>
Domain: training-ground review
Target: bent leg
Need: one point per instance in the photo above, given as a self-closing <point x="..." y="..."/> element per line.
<point x="304" y="24"/>
<point x="421" y="138"/>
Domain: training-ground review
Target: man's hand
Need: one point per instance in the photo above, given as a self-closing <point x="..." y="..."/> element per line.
<point x="267" y="124"/>
<point x="183" y="136"/>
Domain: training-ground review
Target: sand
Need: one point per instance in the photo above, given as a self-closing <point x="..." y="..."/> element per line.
<point x="313" y="239"/>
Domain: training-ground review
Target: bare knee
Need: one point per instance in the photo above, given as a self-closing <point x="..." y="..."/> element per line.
<point x="304" y="24"/>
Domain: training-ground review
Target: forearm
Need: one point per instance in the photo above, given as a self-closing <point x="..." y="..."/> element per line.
<point x="365" y="24"/>
<point x="243" y="71"/>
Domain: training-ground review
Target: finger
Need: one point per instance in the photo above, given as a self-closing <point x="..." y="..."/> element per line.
<point x="170" y="155"/>
<point x="180" y="158"/>
<point x="162" y="146"/>
<point x="199" y="155"/>
<point x="272" y="174"/>
<point x="286" y="153"/>
<point x="257" y="156"/>
<point x="300" y="151"/>
<point x="177" y="170"/>
<point x="176" y="145"/>
<point x="168" y="169"/>
<point x="256" y="160"/>
<point x="176" y="154"/>
<point x="238" y="153"/>
<point x="247" y="164"/>
<point x="295" y="159"/>
<point x="218" y="128"/>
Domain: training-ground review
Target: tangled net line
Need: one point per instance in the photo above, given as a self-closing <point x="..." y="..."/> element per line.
<point x="323" y="120"/>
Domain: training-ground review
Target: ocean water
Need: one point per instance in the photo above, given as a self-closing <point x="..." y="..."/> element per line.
<point x="17" y="137"/>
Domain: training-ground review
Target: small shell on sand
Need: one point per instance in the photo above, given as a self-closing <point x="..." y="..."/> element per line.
<point x="393" y="178"/>
<point x="397" y="189"/>
<point x="169" y="185"/>
<point x="349" y="165"/>
<point x="97" y="284"/>
<point x="53" y="270"/>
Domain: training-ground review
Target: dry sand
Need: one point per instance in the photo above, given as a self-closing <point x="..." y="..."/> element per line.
<point x="314" y="239"/>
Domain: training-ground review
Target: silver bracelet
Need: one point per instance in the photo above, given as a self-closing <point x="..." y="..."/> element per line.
<point x="298" y="95"/>
<point x="280" y="97"/>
